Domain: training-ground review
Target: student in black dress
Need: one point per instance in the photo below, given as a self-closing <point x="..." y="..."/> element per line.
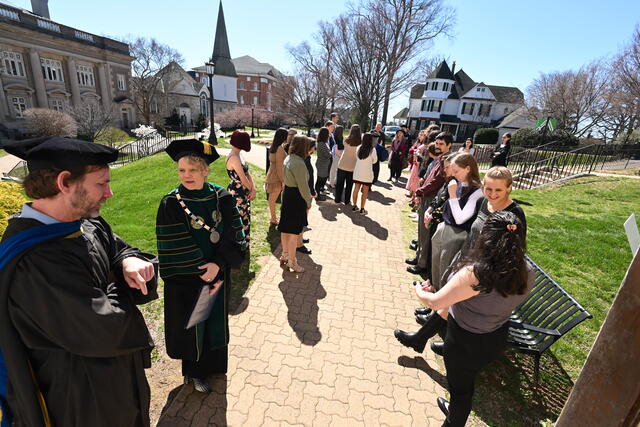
<point x="477" y="302"/>
<point x="501" y="151"/>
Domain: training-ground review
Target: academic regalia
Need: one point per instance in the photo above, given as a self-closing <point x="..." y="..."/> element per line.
<point x="183" y="246"/>
<point x="68" y="318"/>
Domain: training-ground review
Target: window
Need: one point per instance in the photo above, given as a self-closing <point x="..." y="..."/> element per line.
<point x="445" y="87"/>
<point x="488" y="110"/>
<point x="241" y="85"/>
<point x="483" y="89"/>
<point x="52" y="70"/>
<point x="204" y="105"/>
<point x="506" y="110"/>
<point x="430" y="105"/>
<point x="153" y="107"/>
<point x="12" y="64"/>
<point x="424" y="101"/>
<point x="255" y="85"/>
<point x="85" y="75"/>
<point x="255" y="100"/>
<point x="471" y="107"/>
<point x="248" y="79"/>
<point x="122" y="82"/>
<point x="464" y="108"/>
<point x="434" y="85"/>
<point x="242" y="99"/>
<point x="56" y="104"/>
<point x="19" y="105"/>
<point x="480" y="109"/>
<point x="269" y="86"/>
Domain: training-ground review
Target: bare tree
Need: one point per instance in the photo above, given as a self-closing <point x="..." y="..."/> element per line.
<point x="149" y="68"/>
<point x="47" y="122"/>
<point x="576" y="98"/>
<point x="302" y="97"/>
<point x="92" y="119"/>
<point x="628" y="65"/>
<point x="400" y="32"/>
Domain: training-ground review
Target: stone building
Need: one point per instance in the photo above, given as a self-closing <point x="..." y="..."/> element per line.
<point x="46" y="64"/>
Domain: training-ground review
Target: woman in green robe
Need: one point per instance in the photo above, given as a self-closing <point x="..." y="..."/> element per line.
<point x="200" y="237"/>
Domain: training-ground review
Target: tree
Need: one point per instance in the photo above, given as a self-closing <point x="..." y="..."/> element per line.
<point x="628" y="65"/>
<point x="576" y="98"/>
<point x="92" y="119"/>
<point x="400" y="32"/>
<point x="150" y="67"/>
<point x="302" y="97"/>
<point x="46" y="122"/>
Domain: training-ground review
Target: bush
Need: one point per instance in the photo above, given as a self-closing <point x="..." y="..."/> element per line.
<point x="11" y="199"/>
<point x="173" y="120"/>
<point x="201" y="122"/>
<point x="46" y="122"/>
<point x="112" y="137"/>
<point x="487" y="136"/>
<point x="531" y="138"/>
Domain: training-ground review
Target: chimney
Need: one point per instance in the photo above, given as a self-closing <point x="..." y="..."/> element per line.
<point x="453" y="68"/>
<point x="41" y="8"/>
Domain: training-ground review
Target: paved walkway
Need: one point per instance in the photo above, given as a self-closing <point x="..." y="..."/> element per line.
<point x="318" y="348"/>
<point x="7" y="163"/>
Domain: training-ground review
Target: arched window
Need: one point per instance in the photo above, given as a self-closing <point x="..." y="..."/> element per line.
<point x="204" y="104"/>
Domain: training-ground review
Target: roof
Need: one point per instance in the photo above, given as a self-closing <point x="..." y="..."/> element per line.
<point x="417" y="91"/>
<point x="463" y="84"/>
<point x="249" y="65"/>
<point x="402" y="114"/>
<point x="507" y="94"/>
<point x="221" y="55"/>
<point x="442" y="71"/>
<point x="519" y="118"/>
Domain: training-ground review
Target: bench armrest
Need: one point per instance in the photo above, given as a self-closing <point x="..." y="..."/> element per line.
<point x="520" y="325"/>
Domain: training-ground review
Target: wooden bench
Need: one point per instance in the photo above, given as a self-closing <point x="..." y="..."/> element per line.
<point x="544" y="317"/>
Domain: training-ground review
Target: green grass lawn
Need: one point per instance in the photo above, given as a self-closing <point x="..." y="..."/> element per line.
<point x="138" y="188"/>
<point x="2" y="153"/>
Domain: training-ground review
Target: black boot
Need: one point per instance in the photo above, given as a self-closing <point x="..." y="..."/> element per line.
<point x="418" y="340"/>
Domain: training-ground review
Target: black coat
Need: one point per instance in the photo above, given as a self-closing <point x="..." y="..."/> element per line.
<point x="67" y="314"/>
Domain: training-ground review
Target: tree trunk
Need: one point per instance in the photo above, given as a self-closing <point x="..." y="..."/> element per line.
<point x="387" y="95"/>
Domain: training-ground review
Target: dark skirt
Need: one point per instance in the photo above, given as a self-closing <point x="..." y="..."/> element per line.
<point x="293" y="211"/>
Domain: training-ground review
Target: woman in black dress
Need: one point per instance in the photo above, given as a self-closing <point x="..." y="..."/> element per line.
<point x="200" y="237"/>
<point x="241" y="183"/>
<point x="296" y="200"/>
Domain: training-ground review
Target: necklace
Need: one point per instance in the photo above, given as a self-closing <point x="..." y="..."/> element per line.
<point x="214" y="236"/>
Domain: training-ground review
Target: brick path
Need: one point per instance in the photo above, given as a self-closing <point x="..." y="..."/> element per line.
<point x="318" y="348"/>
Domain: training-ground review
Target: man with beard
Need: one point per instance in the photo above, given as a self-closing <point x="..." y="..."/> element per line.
<point x="426" y="193"/>
<point x="74" y="342"/>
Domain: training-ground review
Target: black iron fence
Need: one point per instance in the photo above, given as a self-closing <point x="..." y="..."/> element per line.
<point x="536" y="167"/>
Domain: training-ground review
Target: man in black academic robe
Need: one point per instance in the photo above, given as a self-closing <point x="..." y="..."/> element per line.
<point x="74" y="342"/>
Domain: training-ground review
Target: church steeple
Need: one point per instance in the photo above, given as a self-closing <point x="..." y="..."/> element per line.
<point x="221" y="55"/>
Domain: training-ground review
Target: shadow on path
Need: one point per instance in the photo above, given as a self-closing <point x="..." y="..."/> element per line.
<point x="329" y="209"/>
<point x="377" y="196"/>
<point x="418" y="362"/>
<point x="372" y="227"/>
<point x="202" y="408"/>
<point x="301" y="292"/>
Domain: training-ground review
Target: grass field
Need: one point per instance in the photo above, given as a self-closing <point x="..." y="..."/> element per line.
<point x="575" y="233"/>
<point x="2" y="152"/>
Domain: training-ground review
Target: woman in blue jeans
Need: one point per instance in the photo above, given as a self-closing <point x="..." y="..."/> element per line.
<point x="477" y="302"/>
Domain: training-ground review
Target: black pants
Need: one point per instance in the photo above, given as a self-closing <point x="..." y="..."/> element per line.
<point x="210" y="363"/>
<point x="344" y="182"/>
<point x="395" y="167"/>
<point x="465" y="354"/>
<point x="376" y="171"/>
<point x="320" y="183"/>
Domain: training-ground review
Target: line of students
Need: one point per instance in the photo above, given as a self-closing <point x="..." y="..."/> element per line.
<point x="473" y="245"/>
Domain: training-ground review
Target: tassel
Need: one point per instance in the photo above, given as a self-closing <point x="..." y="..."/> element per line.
<point x="206" y="148"/>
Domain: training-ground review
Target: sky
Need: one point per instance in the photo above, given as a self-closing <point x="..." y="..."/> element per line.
<point x="498" y="42"/>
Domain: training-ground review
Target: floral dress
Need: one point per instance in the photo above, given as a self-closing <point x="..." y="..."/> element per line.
<point x="241" y="195"/>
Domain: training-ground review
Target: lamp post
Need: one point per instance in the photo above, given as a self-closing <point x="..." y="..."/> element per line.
<point x="253" y="106"/>
<point x="209" y="70"/>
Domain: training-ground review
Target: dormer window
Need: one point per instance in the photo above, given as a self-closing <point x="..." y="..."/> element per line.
<point x="434" y="85"/>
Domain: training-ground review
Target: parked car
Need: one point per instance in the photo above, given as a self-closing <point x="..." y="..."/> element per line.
<point x="390" y="131"/>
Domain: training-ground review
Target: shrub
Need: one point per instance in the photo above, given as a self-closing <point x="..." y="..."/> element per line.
<point x="201" y="122"/>
<point x="532" y="138"/>
<point x="112" y="137"/>
<point x="525" y="137"/>
<point x="486" y="136"/>
<point x="46" y="122"/>
<point x="173" y="120"/>
<point x="11" y="199"/>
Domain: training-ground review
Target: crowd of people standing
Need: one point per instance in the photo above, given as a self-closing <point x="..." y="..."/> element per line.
<point x="470" y="247"/>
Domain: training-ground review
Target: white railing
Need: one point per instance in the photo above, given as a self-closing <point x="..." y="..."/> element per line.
<point x="48" y="25"/>
<point x="9" y="14"/>
<point x="84" y="36"/>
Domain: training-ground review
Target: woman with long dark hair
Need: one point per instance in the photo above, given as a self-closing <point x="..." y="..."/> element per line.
<point x="347" y="163"/>
<point x="366" y="157"/>
<point x="274" y="182"/>
<point x="477" y="302"/>
<point x="323" y="161"/>
<point x="336" y="152"/>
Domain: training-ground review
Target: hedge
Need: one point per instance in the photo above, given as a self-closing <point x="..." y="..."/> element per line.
<point x="11" y="199"/>
<point x="487" y="136"/>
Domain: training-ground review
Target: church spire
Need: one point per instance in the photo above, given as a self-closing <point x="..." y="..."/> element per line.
<point x="221" y="55"/>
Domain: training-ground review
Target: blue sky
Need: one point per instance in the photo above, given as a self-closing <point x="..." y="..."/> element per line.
<point x="500" y="42"/>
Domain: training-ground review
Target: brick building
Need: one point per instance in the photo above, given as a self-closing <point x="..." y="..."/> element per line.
<point x="259" y="84"/>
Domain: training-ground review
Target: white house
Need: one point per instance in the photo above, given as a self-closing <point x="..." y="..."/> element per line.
<point x="458" y="104"/>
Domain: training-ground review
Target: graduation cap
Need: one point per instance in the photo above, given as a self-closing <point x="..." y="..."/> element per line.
<point x="184" y="147"/>
<point x="55" y="152"/>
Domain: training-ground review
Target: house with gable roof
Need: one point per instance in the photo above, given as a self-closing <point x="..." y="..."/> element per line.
<point x="458" y="104"/>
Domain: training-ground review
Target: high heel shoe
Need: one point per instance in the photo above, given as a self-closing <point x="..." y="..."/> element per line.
<point x="283" y="259"/>
<point x="293" y="265"/>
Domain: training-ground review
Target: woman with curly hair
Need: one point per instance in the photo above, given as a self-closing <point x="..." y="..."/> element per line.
<point x="477" y="302"/>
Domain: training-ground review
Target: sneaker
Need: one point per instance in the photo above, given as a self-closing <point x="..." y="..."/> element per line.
<point x="354" y="208"/>
<point x="413" y="215"/>
<point x="363" y="211"/>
